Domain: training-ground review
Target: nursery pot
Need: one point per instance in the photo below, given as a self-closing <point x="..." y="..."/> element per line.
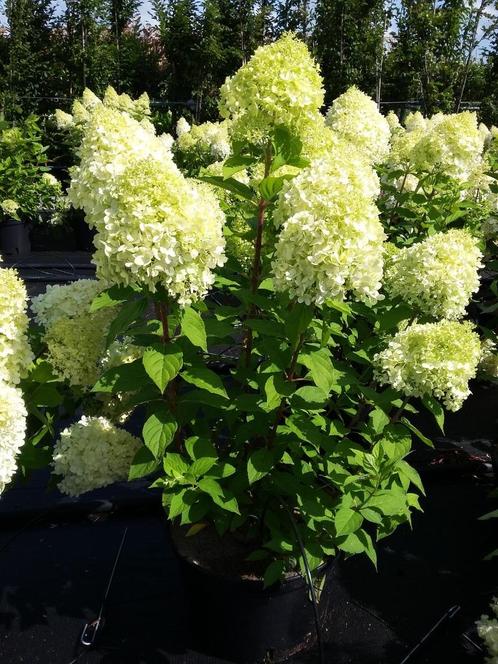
<point x="14" y="238"/>
<point x="236" y="619"/>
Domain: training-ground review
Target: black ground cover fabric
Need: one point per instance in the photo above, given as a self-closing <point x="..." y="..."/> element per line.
<point x="53" y="573"/>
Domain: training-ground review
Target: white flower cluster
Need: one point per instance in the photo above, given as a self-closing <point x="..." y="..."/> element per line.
<point x="330" y="239"/>
<point x="433" y="359"/>
<point x="12" y="430"/>
<point x="15" y="357"/>
<point x="91" y="454"/>
<point x="154" y="227"/>
<point x="487" y="628"/>
<point x="65" y="301"/>
<point x="437" y="275"/>
<point x="354" y="116"/>
<point x="83" y="108"/>
<point x="207" y="142"/>
<point x="75" y="338"/>
<point x="452" y="144"/>
<point x="15" y="352"/>
<point x="256" y="100"/>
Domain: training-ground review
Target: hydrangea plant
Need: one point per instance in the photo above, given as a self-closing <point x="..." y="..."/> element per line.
<point x="307" y="424"/>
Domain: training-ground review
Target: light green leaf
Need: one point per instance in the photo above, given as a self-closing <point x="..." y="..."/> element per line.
<point x="379" y="420"/>
<point x="418" y="433"/>
<point x="174" y="465"/>
<point x="159" y="430"/>
<point x="320" y="367"/>
<point x="177" y="504"/>
<point x="193" y="328"/>
<point x="162" y="363"/>
<point x="202" y="466"/>
<point x="347" y="521"/>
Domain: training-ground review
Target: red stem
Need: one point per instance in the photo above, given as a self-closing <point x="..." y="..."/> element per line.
<point x="256" y="268"/>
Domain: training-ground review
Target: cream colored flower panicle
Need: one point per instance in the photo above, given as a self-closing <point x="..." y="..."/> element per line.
<point x="453" y="144"/>
<point x="64" y="301"/>
<point x="15" y="352"/>
<point x="415" y="122"/>
<point x="74" y="337"/>
<point x="330" y="239"/>
<point x="75" y="346"/>
<point x="182" y="127"/>
<point x="83" y="109"/>
<point x="91" y="454"/>
<point x="279" y="85"/>
<point x="208" y="140"/>
<point x="393" y="122"/>
<point x="355" y="117"/>
<point x="431" y="359"/>
<point x="487" y="628"/>
<point x="438" y="275"/>
<point x="12" y="430"/>
<point x="155" y="227"/>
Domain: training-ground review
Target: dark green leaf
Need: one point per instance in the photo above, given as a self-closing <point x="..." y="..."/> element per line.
<point x="205" y="379"/>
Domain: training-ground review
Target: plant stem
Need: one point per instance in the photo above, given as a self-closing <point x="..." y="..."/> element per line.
<point x="162" y="314"/>
<point x="289" y="376"/>
<point x="170" y="395"/>
<point x="256" y="267"/>
<point x="400" y="410"/>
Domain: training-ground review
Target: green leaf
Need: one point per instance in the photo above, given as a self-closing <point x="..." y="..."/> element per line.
<point x="197" y="448"/>
<point x="41" y="372"/>
<point x="409" y="472"/>
<point x="177" y="504"/>
<point x="436" y="409"/>
<point x="269" y="187"/>
<point x="202" y="466"/>
<point x="236" y="164"/>
<point x="162" y="363"/>
<point x="205" y="379"/>
<point x="379" y="420"/>
<point x="309" y="398"/>
<point x="347" y="521"/>
<point x="112" y="297"/>
<point x="174" y="465"/>
<point x="489" y="515"/>
<point x="129" y="377"/>
<point x="193" y="328"/>
<point x="211" y="487"/>
<point x="321" y="368"/>
<point x="143" y="464"/>
<point x="128" y="314"/>
<point x="269" y="328"/>
<point x="273" y="573"/>
<point x="231" y="185"/>
<point x="46" y="396"/>
<point x="259" y="464"/>
<point x="159" y="430"/>
<point x="418" y="433"/>
<point x="298" y="321"/>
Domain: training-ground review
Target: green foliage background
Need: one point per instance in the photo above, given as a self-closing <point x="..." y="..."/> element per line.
<point x="438" y="52"/>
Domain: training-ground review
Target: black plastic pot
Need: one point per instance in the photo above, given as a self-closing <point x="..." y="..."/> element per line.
<point x="14" y="238"/>
<point x="240" y="621"/>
